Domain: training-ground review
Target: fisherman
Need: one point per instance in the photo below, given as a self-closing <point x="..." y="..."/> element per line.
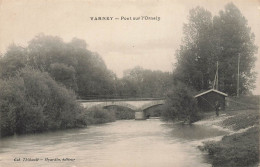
<point x="217" y="106"/>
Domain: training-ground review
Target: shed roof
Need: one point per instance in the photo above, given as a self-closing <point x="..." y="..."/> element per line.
<point x="214" y="90"/>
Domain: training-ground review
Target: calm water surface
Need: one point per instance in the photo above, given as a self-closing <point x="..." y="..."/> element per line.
<point x="149" y="143"/>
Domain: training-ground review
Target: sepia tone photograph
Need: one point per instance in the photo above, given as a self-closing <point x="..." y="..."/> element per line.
<point x="129" y="83"/>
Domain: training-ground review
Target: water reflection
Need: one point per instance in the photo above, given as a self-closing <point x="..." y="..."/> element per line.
<point x="123" y="143"/>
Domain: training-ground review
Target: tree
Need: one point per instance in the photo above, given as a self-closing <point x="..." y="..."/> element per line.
<point x="221" y="39"/>
<point x="234" y="38"/>
<point x="194" y="58"/>
<point x="70" y="64"/>
<point x="141" y="82"/>
<point x="14" y="59"/>
<point x="180" y="104"/>
<point x="64" y="74"/>
<point x="33" y="102"/>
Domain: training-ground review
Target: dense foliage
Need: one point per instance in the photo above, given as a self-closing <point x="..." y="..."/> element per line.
<point x="99" y="116"/>
<point x="180" y="105"/>
<point x="221" y="38"/>
<point x="31" y="101"/>
<point x="68" y="63"/>
<point x="81" y="70"/>
<point x="121" y="112"/>
<point x="139" y="82"/>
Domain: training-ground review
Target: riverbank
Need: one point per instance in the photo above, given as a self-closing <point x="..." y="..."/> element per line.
<point x="238" y="148"/>
<point x="101" y="116"/>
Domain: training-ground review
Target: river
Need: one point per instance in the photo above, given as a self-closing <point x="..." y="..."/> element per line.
<point x="126" y="143"/>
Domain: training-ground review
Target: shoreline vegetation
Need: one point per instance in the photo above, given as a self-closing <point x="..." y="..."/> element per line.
<point x="241" y="146"/>
<point x="100" y="116"/>
<point x="32" y="102"/>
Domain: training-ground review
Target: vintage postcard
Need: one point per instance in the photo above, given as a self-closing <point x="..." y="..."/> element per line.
<point x="129" y="83"/>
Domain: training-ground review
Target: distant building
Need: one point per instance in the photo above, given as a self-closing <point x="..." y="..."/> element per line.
<point x="207" y="100"/>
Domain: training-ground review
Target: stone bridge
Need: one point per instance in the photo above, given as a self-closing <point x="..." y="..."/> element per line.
<point x="137" y="105"/>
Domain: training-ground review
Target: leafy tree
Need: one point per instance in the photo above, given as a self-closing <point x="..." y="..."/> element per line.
<point x="11" y="103"/>
<point x="234" y="38"/>
<point x="44" y="50"/>
<point x="180" y="104"/>
<point x="221" y="39"/>
<point x="80" y="69"/>
<point x="33" y="102"/>
<point x="139" y="82"/>
<point x="64" y="74"/>
<point x="93" y="77"/>
<point x="71" y="64"/>
<point x="194" y="58"/>
<point x="14" y="59"/>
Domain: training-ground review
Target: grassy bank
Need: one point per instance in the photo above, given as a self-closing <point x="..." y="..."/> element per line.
<point x="240" y="148"/>
<point x="243" y="103"/>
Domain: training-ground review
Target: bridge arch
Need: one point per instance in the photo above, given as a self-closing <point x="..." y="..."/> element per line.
<point x="152" y="104"/>
<point x="114" y="103"/>
<point x="152" y="107"/>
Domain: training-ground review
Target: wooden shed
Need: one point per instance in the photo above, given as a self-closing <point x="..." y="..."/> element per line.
<point x="207" y="100"/>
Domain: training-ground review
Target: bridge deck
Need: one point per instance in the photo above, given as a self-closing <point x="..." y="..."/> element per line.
<point x="133" y="104"/>
<point x="128" y="99"/>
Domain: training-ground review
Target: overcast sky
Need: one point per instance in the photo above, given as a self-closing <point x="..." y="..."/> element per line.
<point x="122" y="44"/>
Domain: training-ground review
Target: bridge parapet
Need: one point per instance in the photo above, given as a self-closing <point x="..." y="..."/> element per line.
<point x="126" y="99"/>
<point x="137" y="106"/>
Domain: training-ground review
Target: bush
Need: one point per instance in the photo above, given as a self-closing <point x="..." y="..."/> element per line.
<point x="180" y="105"/>
<point x="99" y="116"/>
<point x="33" y="102"/>
<point x="240" y="149"/>
<point x="121" y="112"/>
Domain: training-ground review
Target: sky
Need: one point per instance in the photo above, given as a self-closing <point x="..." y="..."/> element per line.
<point x="123" y="44"/>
